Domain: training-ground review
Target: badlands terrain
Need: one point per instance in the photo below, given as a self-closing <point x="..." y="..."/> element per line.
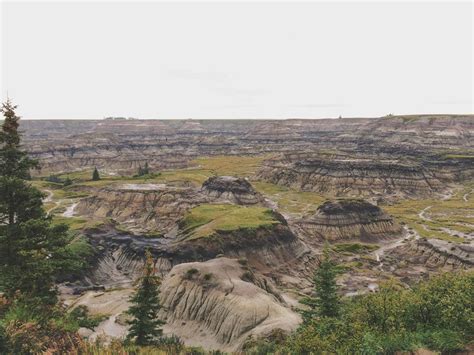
<point x="236" y="212"/>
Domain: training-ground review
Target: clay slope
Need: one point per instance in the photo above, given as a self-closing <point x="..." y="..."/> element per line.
<point x="209" y="304"/>
<point x="231" y="189"/>
<point x="350" y="219"/>
<point x="435" y="253"/>
<point x="146" y="206"/>
<point x="352" y="177"/>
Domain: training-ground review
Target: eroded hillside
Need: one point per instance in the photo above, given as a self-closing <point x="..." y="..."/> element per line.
<point x="236" y="212"/>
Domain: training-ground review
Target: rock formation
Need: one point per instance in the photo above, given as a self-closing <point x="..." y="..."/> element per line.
<point x="267" y="247"/>
<point x="123" y="145"/>
<point x="345" y="219"/>
<point x="214" y="305"/>
<point x="352" y="177"/>
<point x="232" y="189"/>
<point x="142" y="207"/>
<point x="435" y="254"/>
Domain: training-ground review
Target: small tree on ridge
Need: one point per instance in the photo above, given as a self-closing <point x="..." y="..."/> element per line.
<point x="145" y="326"/>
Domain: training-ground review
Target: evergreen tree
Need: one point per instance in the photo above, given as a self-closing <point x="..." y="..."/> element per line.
<point x="146" y="170"/>
<point x="143" y="171"/>
<point x="145" y="327"/>
<point x="32" y="251"/>
<point x="95" y="175"/>
<point x="67" y="182"/>
<point x="326" y="302"/>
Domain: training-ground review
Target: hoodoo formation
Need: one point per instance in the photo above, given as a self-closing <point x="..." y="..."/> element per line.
<point x="232" y="189"/>
<point x="345" y="219"/>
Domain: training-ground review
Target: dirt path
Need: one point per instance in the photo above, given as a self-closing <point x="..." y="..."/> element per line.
<point x="70" y="209"/>
<point x="379" y="253"/>
<point x="465" y="196"/>
<point x="48" y="199"/>
<point x="422" y="214"/>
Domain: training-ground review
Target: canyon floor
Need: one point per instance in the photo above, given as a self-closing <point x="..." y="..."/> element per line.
<point x="236" y="213"/>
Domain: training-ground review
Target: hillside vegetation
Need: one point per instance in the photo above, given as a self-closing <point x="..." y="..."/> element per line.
<point x="206" y="219"/>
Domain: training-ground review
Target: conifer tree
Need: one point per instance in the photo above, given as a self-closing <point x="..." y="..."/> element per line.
<point x="67" y="182"/>
<point x="145" y="326"/>
<point x="32" y="251"/>
<point x="326" y="302"/>
<point x="95" y="175"/>
<point x="143" y="171"/>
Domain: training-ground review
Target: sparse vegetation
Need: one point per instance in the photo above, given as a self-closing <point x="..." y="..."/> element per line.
<point x="191" y="273"/>
<point x="206" y="219"/>
<point x="354" y="247"/>
<point x="289" y="200"/>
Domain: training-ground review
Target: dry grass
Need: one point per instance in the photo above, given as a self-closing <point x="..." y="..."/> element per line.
<point x="205" y="220"/>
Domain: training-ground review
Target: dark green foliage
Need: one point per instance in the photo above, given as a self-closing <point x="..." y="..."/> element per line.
<point x="190" y="273"/>
<point x="33" y="252"/>
<point x="95" y="175"/>
<point x="54" y="179"/>
<point x="67" y="182"/>
<point x="326" y="301"/>
<point x="143" y="171"/>
<point x="81" y="316"/>
<point x="145" y="326"/>
<point x="13" y="161"/>
<point x="437" y="314"/>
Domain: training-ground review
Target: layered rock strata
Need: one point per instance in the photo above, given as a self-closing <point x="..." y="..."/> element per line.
<point x="346" y="219"/>
<point x="155" y="207"/>
<point x="435" y="254"/>
<point x="352" y="177"/>
<point x="123" y="145"/>
<point x="232" y="189"/>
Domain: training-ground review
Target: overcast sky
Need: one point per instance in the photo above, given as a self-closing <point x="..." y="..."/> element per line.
<point x="237" y="60"/>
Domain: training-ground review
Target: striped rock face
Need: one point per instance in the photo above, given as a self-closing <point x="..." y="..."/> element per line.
<point x="231" y="189"/>
<point x="353" y="177"/>
<point x="345" y="219"/>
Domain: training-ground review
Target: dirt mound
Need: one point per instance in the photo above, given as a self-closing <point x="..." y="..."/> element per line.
<point x="214" y="305"/>
<point x="350" y="219"/>
<point x="233" y="189"/>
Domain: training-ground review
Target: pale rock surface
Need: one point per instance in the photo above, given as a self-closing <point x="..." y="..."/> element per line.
<point x="214" y="308"/>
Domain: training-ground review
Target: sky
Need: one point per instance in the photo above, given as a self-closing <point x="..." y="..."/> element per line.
<point x="221" y="60"/>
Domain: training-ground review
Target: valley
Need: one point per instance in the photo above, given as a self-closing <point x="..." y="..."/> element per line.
<point x="236" y="213"/>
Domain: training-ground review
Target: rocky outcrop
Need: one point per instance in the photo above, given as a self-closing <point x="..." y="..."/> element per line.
<point x="214" y="305"/>
<point x="123" y="145"/>
<point x="435" y="254"/>
<point x="231" y="189"/>
<point x="352" y="177"/>
<point x="349" y="219"/>
<point x="142" y="207"/>
<point x="265" y="247"/>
